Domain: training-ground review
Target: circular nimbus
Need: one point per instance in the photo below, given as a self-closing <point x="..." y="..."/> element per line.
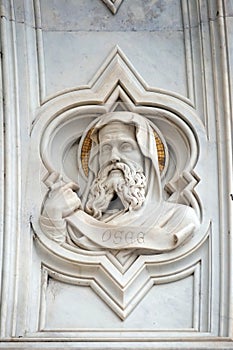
<point x="86" y="145"/>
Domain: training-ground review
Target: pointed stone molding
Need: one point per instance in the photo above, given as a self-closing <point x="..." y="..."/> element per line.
<point x="117" y="86"/>
<point x="113" y="5"/>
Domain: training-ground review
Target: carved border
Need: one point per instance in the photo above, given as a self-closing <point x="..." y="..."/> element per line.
<point x="206" y="342"/>
<point x="116" y="78"/>
<point x="106" y="344"/>
<point x="12" y="174"/>
<point x="188" y="50"/>
<point x="47" y="272"/>
<point x="223" y="100"/>
<point x="40" y="51"/>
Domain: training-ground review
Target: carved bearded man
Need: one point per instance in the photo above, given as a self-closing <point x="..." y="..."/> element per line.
<point x="122" y="205"/>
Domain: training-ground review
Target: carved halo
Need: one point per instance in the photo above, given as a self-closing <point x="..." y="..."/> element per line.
<point x="86" y="144"/>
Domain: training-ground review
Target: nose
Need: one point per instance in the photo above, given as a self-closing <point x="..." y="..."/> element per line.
<point x="115" y="156"/>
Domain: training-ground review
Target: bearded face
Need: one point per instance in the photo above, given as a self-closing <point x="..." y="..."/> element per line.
<point x="124" y="180"/>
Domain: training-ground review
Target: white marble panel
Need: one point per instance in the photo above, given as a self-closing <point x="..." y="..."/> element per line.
<point x="92" y="15"/>
<point x="76" y="307"/>
<point x="160" y="65"/>
<point x="183" y="47"/>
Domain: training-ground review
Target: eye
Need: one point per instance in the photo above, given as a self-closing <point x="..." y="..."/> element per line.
<point x="106" y="147"/>
<point x="126" y="146"/>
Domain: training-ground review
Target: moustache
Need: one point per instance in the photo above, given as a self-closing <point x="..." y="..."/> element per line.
<point x="126" y="167"/>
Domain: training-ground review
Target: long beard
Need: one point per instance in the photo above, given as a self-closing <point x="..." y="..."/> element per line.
<point x="127" y="181"/>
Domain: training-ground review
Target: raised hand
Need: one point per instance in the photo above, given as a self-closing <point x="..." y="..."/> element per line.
<point x="62" y="201"/>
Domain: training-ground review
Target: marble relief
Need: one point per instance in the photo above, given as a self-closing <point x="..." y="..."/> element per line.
<point x="122" y="206"/>
<point x="118" y="187"/>
<point x="116" y="149"/>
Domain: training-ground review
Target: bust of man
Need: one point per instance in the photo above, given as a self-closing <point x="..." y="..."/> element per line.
<point x="122" y="205"/>
<point x="120" y="183"/>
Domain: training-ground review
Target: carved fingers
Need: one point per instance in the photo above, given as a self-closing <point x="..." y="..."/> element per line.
<point x="62" y="200"/>
<point x="70" y="199"/>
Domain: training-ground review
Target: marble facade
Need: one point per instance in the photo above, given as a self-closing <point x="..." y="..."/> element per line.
<point x="146" y="260"/>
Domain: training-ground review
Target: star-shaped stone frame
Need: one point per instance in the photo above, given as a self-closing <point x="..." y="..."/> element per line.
<point x="113" y="5"/>
<point x="123" y="283"/>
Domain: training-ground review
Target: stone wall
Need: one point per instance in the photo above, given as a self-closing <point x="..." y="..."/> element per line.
<point x="64" y="64"/>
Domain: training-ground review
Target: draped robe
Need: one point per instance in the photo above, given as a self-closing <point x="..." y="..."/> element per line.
<point x="157" y="226"/>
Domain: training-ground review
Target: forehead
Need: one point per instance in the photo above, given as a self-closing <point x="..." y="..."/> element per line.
<point x="117" y="130"/>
